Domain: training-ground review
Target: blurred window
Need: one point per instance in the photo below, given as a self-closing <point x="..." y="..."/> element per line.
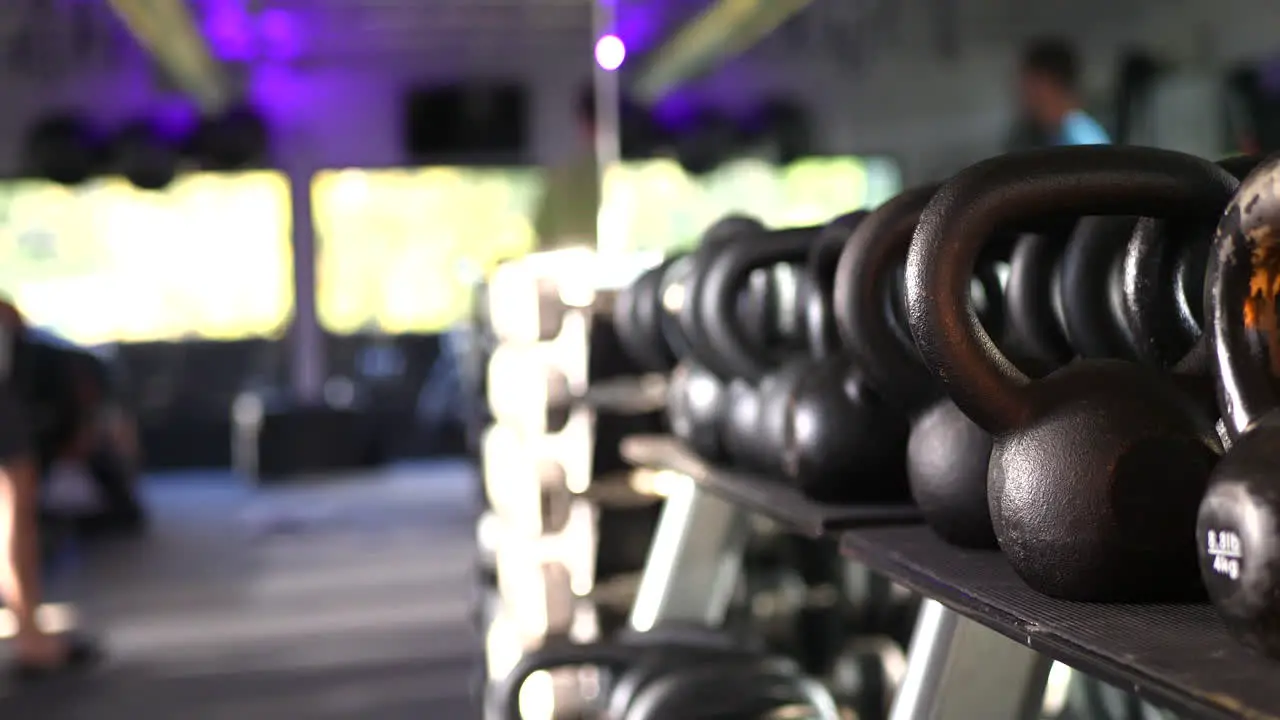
<point x="399" y="249"/>
<point x="656" y="205"/>
<point x="210" y="257"/>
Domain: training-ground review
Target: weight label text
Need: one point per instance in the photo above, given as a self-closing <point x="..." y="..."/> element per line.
<point x="1224" y="547"/>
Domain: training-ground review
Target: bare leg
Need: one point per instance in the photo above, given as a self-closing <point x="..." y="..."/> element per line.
<point x="20" y="562"/>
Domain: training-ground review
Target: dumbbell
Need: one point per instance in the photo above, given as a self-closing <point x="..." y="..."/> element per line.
<point x="527" y="490"/>
<point x="560" y="692"/>
<point x="541" y="387"/>
<point x="545" y="572"/>
<point x="529" y="299"/>
<point x="533" y="494"/>
<point x="532" y="386"/>
<point x="488" y="531"/>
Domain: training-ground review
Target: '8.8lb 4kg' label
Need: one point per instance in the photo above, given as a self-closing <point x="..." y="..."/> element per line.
<point x="1225" y="549"/>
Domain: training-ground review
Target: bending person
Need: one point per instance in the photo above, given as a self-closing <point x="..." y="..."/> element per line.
<point x="36" y="652"/>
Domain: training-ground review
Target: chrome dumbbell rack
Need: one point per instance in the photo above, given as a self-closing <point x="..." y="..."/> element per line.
<point x="535" y="473"/>
<point x="957" y="669"/>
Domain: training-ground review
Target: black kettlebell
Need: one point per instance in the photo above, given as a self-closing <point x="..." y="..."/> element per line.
<point x="778" y="389"/>
<point x="1236" y="532"/>
<point x="1128" y="291"/>
<point x="751" y="361"/>
<point x="696" y="391"/>
<point x="947" y="454"/>
<point x="1164" y="268"/>
<point x="637" y="315"/>
<point x="1096" y="470"/>
<point x="841" y="440"/>
<point x="765" y="440"/>
<point x="1131" y="291"/>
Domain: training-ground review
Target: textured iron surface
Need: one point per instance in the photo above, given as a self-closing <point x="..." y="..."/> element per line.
<point x="1178" y="656"/>
<point x="771" y="498"/>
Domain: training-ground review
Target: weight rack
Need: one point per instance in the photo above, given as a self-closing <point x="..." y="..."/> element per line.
<point x="984" y="641"/>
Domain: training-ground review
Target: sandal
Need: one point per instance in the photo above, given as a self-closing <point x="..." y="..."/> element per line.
<point x="83" y="654"/>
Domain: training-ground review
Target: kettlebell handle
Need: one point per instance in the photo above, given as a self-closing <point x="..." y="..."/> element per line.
<point x="726" y="275"/>
<point x="824" y="258"/>
<point x="721" y="235"/>
<point x="873" y="251"/>
<point x="1008" y="190"/>
<point x="1245" y="248"/>
<point x="1242" y="166"/>
<point x="1163" y="338"/>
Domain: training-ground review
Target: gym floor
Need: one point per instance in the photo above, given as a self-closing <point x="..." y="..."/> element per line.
<point x="337" y="597"/>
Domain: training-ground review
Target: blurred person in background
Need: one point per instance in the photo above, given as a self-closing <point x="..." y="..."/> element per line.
<point x="36" y="652"/>
<point x="566" y="214"/>
<point x="1049" y="95"/>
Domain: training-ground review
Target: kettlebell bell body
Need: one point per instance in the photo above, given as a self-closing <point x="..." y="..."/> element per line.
<point x="695" y="403"/>
<point x="845" y="442"/>
<point x="1094" y="469"/>
<point x="1092" y="498"/>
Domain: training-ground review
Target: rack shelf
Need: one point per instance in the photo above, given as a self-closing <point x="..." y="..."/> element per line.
<point x="1176" y="656"/>
<point x="769" y="498"/>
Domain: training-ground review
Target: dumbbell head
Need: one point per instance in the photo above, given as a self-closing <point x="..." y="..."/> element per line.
<point x="528" y="298"/>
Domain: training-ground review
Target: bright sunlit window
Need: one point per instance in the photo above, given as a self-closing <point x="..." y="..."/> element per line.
<point x="208" y="258"/>
<point x="398" y="250"/>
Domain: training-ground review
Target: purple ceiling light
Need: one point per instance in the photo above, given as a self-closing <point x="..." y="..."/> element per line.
<point x="237" y="34"/>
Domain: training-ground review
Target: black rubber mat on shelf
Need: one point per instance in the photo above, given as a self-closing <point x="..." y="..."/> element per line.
<point x="764" y="496"/>
<point x="1177" y="656"/>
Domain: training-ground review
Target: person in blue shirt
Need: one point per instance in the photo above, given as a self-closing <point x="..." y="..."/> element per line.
<point x="1048" y="81"/>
